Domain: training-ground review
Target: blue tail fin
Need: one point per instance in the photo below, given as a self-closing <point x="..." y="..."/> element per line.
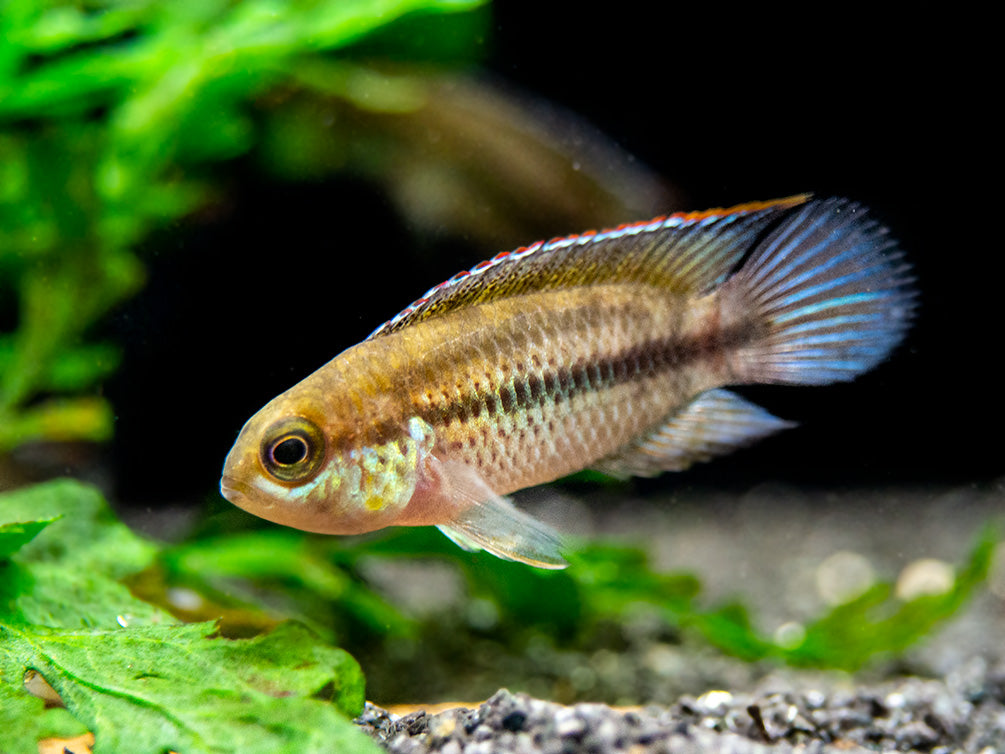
<point x="830" y="294"/>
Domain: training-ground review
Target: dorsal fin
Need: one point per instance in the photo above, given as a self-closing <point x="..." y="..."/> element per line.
<point x="687" y="252"/>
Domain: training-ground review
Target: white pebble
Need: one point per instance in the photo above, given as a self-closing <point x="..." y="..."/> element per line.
<point x="567" y="724"/>
<point x="844" y="576"/>
<point x="713" y="701"/>
<point x="925" y="576"/>
<point x="184" y="599"/>
<point x="790" y="635"/>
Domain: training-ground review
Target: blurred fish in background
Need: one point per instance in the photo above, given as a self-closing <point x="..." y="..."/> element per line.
<point x="119" y="153"/>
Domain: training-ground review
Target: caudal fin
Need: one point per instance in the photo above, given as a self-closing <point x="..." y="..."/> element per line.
<point x="831" y="292"/>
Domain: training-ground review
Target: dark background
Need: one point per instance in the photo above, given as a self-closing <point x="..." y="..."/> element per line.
<point x="892" y="112"/>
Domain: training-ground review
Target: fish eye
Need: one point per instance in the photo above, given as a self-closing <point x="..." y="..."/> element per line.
<point x="292" y="450"/>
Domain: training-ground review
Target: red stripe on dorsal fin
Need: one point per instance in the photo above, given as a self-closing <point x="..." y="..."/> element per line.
<point x="687" y="252"/>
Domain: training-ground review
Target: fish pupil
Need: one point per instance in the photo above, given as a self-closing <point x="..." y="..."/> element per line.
<point x="290" y="451"/>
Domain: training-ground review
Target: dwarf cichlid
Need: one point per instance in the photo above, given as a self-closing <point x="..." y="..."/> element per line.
<point x="602" y="350"/>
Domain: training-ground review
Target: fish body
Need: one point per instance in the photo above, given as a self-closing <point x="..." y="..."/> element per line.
<point x="604" y="350"/>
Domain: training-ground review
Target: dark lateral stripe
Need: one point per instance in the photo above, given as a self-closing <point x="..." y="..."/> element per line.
<point x="644" y="360"/>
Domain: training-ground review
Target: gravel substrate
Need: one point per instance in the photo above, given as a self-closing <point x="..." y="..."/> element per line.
<point x="963" y="713"/>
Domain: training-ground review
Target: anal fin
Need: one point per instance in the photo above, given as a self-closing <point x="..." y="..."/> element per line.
<point x="714" y="423"/>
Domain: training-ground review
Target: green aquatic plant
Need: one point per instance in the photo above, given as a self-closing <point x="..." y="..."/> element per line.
<point x="125" y="669"/>
<point x="114" y="116"/>
<point x="877" y="624"/>
<point x="604" y="582"/>
<point x="302" y="578"/>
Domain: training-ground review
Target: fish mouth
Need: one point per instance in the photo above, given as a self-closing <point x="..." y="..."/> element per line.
<point x="236" y="492"/>
<point x="246" y="496"/>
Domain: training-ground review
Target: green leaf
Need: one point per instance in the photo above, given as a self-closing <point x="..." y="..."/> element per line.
<point x="76" y="368"/>
<point x="290" y="558"/>
<point x="528" y="596"/>
<point x="58" y="420"/>
<point x="24" y="721"/>
<point x="299" y="573"/>
<point x="13" y="536"/>
<point x="87" y="535"/>
<point x="121" y="666"/>
<point x="729" y="629"/>
<point x="154" y="688"/>
<point x="877" y="623"/>
<point x="69" y="575"/>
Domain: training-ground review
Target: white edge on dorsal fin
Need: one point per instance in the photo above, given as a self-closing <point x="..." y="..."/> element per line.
<point x="692" y="250"/>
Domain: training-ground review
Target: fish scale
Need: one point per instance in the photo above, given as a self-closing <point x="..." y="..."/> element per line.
<point x="605" y="350"/>
<point x="598" y="350"/>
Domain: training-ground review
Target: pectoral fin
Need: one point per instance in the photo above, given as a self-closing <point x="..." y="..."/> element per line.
<point x="492" y="523"/>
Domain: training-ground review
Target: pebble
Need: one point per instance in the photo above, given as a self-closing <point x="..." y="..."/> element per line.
<point x="925" y="576"/>
<point x="904" y="716"/>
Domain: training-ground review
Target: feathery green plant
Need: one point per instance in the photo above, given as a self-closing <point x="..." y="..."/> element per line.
<point x="113" y="114"/>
